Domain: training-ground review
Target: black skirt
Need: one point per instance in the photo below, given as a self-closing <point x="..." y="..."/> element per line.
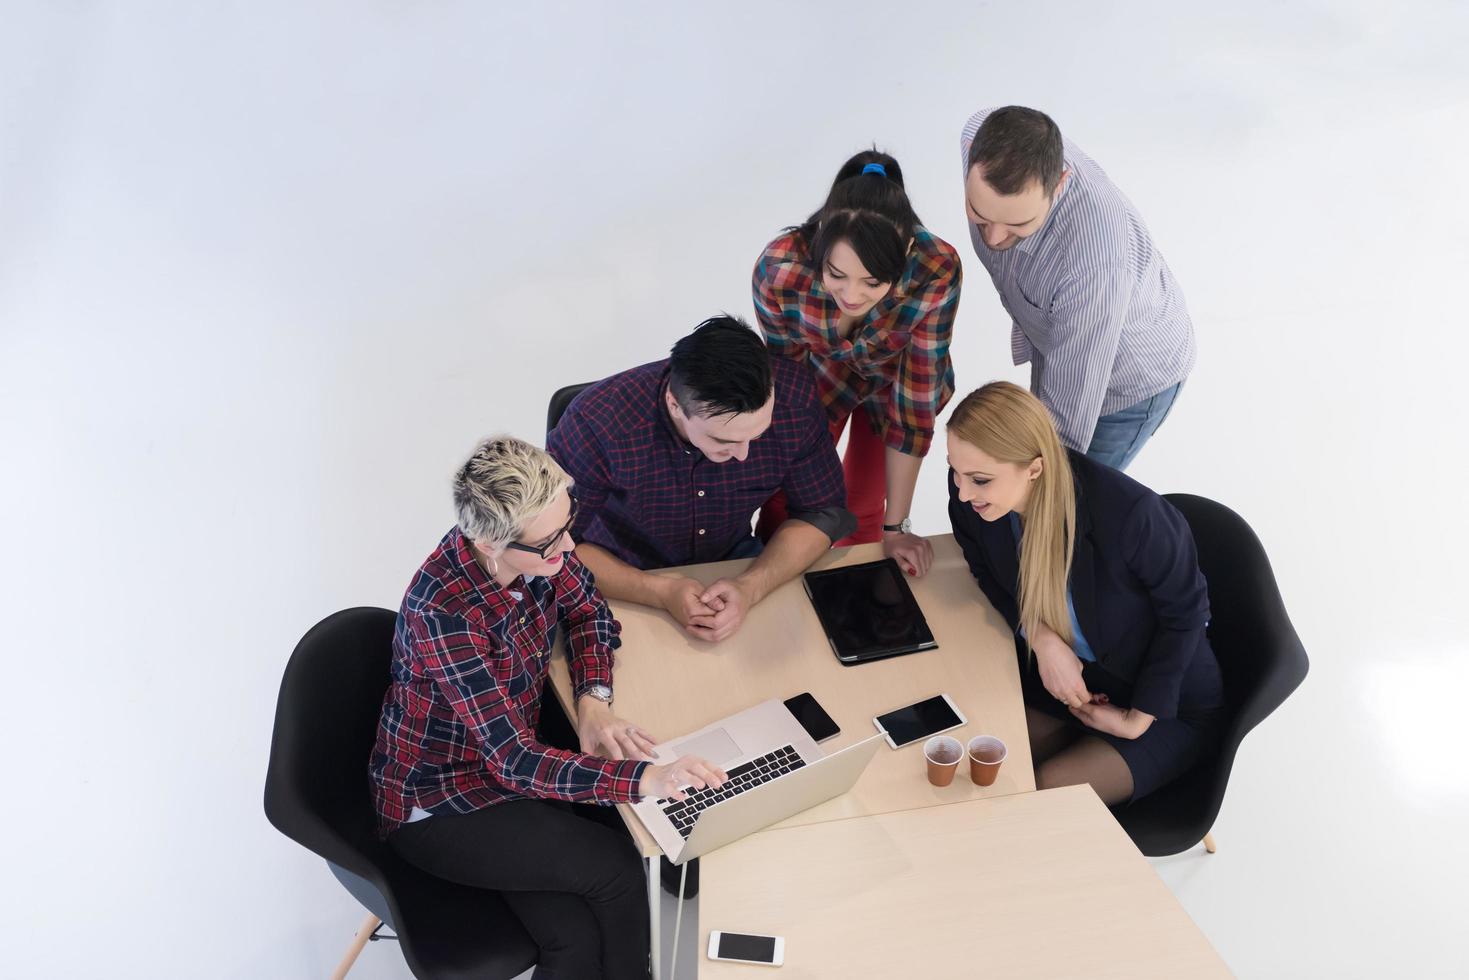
<point x="1171" y="746"/>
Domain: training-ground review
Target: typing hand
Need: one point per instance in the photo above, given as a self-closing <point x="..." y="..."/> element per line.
<point x="664" y="782"/>
<point x="681" y="599"/>
<point x="729" y="602"/>
<point x="1109" y="718"/>
<point x="912" y="552"/>
<point x="1060" y="670"/>
<point x="603" y="733"/>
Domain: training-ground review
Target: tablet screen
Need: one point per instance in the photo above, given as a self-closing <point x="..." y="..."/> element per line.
<point x="868" y="610"/>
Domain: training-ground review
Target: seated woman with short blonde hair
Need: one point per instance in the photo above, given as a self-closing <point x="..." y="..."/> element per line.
<point x="463" y="787"/>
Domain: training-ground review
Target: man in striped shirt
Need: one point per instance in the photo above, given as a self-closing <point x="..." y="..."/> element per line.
<point x="1094" y="308"/>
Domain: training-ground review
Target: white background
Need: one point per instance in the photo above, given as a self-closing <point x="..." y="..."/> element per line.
<point x="268" y="270"/>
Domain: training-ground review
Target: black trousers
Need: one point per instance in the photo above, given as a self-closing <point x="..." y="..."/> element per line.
<point x="577" y="886"/>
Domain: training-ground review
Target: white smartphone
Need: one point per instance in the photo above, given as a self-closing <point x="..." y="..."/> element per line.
<point x="918" y="721"/>
<point x="741" y="947"/>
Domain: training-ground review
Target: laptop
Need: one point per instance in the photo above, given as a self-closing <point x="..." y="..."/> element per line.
<point x="775" y="771"/>
<point x="868" y="612"/>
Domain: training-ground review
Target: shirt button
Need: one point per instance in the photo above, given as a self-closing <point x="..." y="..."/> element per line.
<point x="701" y="530"/>
<point x="701" y="493"/>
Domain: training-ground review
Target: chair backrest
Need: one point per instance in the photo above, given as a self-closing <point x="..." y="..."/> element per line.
<point x="326" y="718"/>
<point x="1259" y="653"/>
<point x="560" y="401"/>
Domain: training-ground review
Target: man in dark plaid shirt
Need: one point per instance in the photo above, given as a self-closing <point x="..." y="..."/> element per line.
<point x="672" y="460"/>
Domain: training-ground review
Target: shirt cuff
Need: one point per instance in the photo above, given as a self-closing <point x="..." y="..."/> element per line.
<point x="587" y="671"/>
<point x="625" y="780"/>
<point x="834" y="522"/>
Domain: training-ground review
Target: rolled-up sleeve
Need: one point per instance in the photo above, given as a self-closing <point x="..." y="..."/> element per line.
<point x="592" y="634"/>
<point x="816" y="492"/>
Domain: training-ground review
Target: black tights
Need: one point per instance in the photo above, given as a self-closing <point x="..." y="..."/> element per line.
<point x="578" y="887"/>
<point x="1065" y="757"/>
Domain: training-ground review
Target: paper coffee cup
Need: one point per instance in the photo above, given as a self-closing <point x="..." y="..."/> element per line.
<point x="985" y="755"/>
<point x="943" y="754"/>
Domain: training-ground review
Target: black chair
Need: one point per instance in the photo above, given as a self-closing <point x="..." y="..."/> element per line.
<point x="317" y="794"/>
<point x="1262" y="661"/>
<point x="560" y="401"/>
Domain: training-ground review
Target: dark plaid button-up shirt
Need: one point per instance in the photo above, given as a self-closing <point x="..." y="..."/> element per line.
<point x="654" y="500"/>
<point x="459" y="719"/>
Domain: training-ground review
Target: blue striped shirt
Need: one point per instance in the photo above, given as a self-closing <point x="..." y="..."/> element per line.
<point x="1094" y="308"/>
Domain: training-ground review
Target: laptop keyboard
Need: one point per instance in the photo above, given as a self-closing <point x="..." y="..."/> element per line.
<point x="746" y="776"/>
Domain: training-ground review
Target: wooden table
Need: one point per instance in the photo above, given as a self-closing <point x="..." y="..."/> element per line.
<point x="672" y="684"/>
<point x="1035" y="885"/>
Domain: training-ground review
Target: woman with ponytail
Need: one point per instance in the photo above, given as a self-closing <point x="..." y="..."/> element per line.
<point x="866" y="295"/>
<point x="1099" y="579"/>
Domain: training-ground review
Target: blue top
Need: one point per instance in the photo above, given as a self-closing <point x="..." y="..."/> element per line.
<point x="1080" y="645"/>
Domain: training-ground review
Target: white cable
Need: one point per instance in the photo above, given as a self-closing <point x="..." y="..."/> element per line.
<point x="683" y="875"/>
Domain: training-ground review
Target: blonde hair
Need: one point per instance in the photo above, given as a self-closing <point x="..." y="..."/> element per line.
<point x="1010" y="424"/>
<point x="504" y="486"/>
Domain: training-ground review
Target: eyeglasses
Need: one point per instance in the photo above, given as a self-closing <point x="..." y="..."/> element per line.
<point x="546" y="550"/>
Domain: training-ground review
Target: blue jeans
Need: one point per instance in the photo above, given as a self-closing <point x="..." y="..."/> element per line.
<point x="1119" y="436"/>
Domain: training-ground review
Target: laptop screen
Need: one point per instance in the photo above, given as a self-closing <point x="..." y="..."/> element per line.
<point x="868" y="611"/>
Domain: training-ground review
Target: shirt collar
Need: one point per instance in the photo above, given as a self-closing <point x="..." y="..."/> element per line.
<point x="500" y="599"/>
<point x="906" y="285"/>
<point x="665" y="424"/>
<point x="1028" y="245"/>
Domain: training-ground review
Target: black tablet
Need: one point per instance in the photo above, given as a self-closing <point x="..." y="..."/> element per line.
<point x="868" y="612"/>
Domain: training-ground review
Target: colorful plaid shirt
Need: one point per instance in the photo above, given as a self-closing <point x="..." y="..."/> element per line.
<point x="654" y="500"/>
<point x="896" y="360"/>
<point x="458" y="725"/>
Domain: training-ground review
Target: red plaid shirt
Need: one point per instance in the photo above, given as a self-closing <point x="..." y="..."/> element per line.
<point x="896" y="360"/>
<point x="458" y="724"/>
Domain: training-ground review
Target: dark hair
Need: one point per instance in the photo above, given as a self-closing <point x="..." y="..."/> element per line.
<point x="1016" y="145"/>
<point x="722" y="368"/>
<point x="868" y="210"/>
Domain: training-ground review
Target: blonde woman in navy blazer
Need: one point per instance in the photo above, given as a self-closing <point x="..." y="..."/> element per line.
<point x="1099" y="578"/>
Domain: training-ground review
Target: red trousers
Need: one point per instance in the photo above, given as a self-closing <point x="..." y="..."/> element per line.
<point x="865" y="469"/>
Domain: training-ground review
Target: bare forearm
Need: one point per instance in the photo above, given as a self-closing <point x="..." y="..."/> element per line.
<point x="791" y="550"/>
<point x="616" y="579"/>
<point x="902" y="477"/>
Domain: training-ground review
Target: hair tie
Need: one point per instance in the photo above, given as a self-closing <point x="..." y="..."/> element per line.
<point x="875" y="168"/>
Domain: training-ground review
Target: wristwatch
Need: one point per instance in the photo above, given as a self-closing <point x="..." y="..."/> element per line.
<point x="601" y="692"/>
<point x="905" y="526"/>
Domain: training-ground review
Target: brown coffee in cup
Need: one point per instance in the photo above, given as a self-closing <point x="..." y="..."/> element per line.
<point x="942" y="754"/>
<point x="986" y="753"/>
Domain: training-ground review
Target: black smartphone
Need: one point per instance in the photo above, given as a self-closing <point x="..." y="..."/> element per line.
<point x="812" y="716"/>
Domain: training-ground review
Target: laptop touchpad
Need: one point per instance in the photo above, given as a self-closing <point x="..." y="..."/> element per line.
<point x="716" y="747"/>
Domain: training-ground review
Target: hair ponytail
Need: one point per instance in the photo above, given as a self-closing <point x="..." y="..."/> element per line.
<point x="868" y="208"/>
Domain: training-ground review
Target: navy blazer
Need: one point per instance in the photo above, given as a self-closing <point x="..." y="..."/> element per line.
<point x="1140" y="598"/>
